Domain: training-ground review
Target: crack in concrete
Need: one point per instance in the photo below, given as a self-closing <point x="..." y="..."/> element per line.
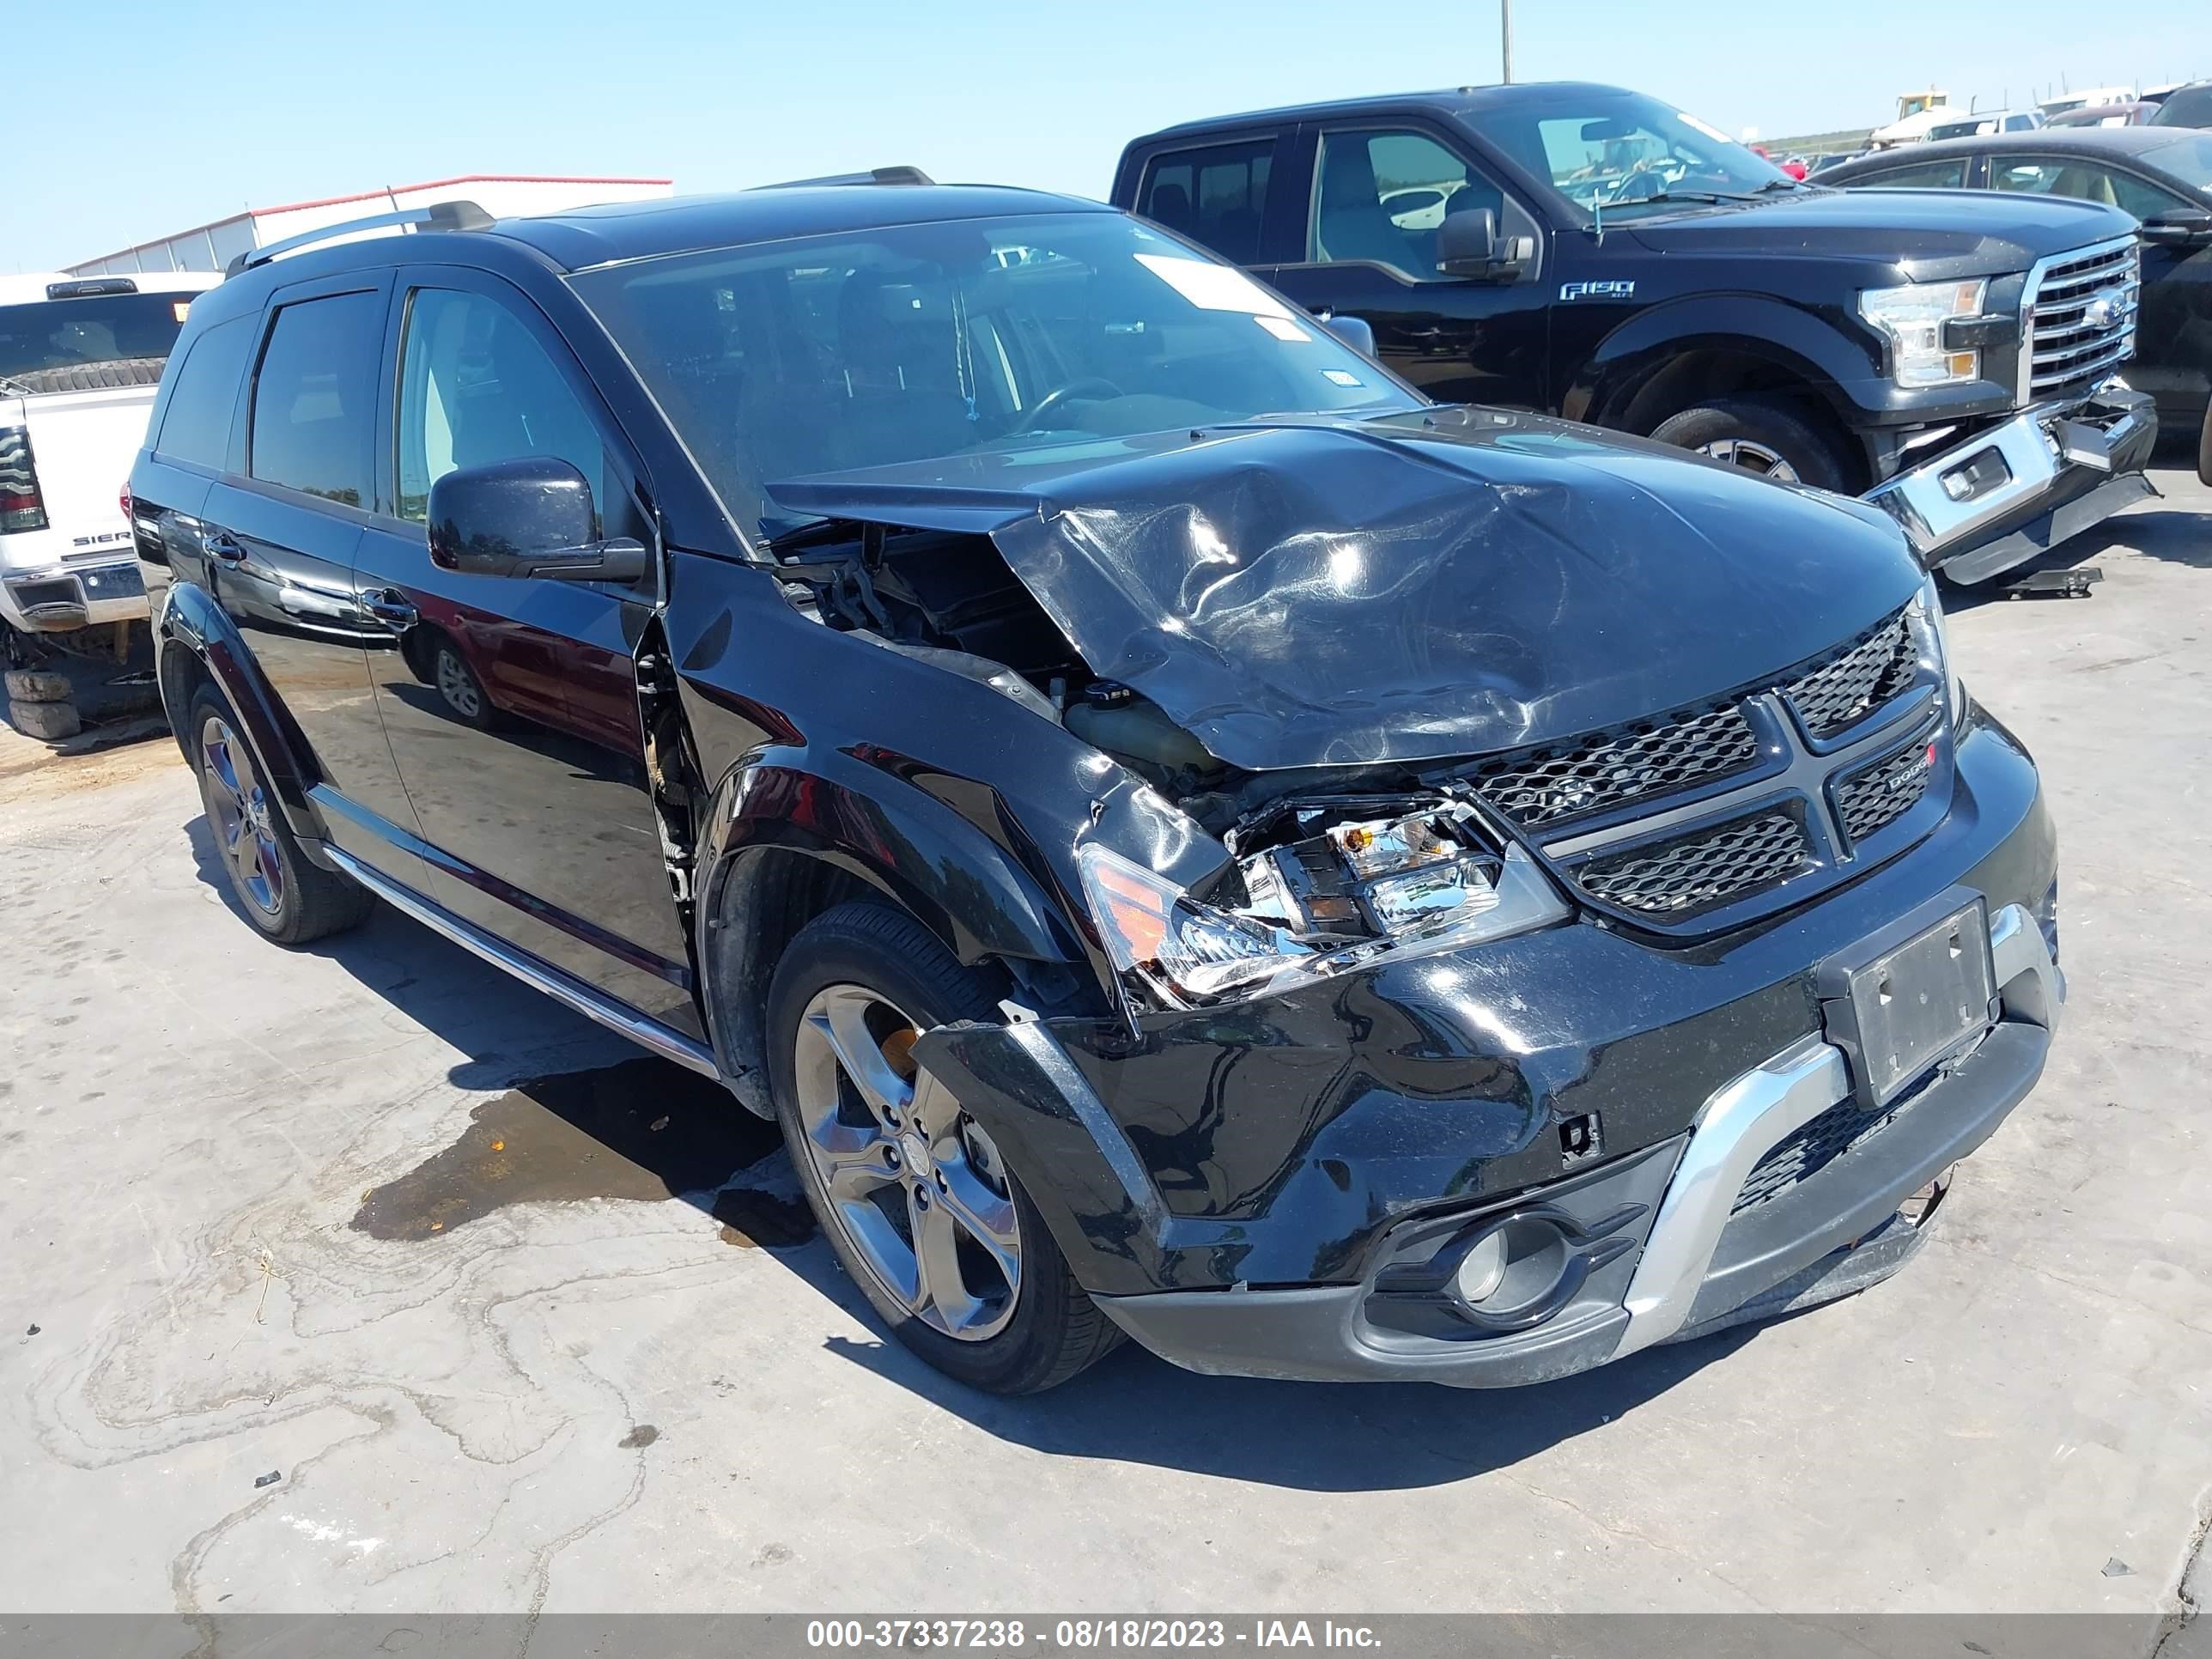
<point x="2185" y="1584"/>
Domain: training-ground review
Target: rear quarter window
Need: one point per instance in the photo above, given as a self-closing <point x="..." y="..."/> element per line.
<point x="196" y="424"/>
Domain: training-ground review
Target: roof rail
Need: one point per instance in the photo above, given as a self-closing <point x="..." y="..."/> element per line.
<point x="894" y="175"/>
<point x="438" y="215"/>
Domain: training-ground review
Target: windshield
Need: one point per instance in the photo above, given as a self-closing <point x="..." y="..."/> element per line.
<point x="1624" y="156"/>
<point x="912" y="343"/>
<point x="2188" y="158"/>
<point x="104" y="328"/>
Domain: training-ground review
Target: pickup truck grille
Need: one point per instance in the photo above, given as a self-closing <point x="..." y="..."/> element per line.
<point x="2079" y="317"/>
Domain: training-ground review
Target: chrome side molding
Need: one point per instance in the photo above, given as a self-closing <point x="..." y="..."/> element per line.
<point x="572" y="993"/>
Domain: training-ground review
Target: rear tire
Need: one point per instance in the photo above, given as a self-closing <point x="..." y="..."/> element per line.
<point x="1766" y="436"/>
<point x="287" y="898"/>
<point x="910" y="1165"/>
<point x="457" y="687"/>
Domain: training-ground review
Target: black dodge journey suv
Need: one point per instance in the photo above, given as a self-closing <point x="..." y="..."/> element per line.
<point x="1190" y="838"/>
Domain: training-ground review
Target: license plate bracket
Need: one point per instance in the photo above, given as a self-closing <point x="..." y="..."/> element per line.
<point x="1911" y="995"/>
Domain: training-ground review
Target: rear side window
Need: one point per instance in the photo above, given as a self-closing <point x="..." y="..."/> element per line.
<point x="1213" y="196"/>
<point x="315" y="400"/>
<point x="196" y="426"/>
<point x="1929" y="175"/>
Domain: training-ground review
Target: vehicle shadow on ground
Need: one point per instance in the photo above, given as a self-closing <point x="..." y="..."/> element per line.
<point x="2172" y="534"/>
<point x="583" y="1114"/>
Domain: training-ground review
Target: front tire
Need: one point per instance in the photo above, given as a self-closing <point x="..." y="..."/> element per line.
<point x="1765" y="436"/>
<point x="289" y="899"/>
<point x="917" y="1201"/>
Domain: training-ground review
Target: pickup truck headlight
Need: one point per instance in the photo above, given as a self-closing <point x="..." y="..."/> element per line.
<point x="1912" y="317"/>
<point x="1927" y="614"/>
<point x="1412" y="884"/>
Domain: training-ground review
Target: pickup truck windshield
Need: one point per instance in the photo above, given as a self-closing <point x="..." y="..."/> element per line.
<point x="1624" y="156"/>
<point x="103" y="328"/>
<point x="912" y="343"/>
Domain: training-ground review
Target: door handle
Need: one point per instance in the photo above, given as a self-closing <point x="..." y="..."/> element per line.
<point x="389" y="609"/>
<point x="222" y="544"/>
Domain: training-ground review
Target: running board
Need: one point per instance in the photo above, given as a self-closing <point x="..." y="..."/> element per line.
<point x="573" y="993"/>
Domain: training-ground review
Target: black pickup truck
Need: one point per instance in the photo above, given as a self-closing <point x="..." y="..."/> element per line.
<point x="1596" y="254"/>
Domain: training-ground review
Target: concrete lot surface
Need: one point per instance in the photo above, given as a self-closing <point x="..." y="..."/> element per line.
<point x="271" y="1214"/>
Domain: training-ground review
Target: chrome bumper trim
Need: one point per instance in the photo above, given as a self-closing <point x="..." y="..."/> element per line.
<point x="1745" y="1118"/>
<point x="2039" y="445"/>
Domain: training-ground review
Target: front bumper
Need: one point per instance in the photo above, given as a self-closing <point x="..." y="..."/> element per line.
<point x="2048" y="473"/>
<point x="58" y="597"/>
<point x="1695" y="1260"/>
<point x="1229" y="1183"/>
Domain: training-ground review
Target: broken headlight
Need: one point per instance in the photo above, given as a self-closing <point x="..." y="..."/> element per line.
<point x="1323" y="904"/>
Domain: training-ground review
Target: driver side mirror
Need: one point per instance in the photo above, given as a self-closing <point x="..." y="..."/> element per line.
<point x="1468" y="244"/>
<point x="531" y="516"/>
<point x="2178" y="227"/>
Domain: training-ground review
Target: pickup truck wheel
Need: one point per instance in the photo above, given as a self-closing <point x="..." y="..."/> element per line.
<point x="286" y="897"/>
<point x="1761" y="435"/>
<point x="916" y="1199"/>
<point x="2204" y="451"/>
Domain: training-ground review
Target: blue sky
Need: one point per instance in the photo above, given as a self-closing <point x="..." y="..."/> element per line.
<point x="174" y="114"/>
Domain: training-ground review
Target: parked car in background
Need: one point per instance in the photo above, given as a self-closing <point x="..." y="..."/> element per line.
<point x="2161" y="176"/>
<point x="1834" y="158"/>
<point x="80" y="359"/>
<point x="2185" y="106"/>
<point x="1997" y="120"/>
<point x="1609" y="258"/>
<point x="2066" y="103"/>
<point x="2107" y="115"/>
<point x="1190" y="838"/>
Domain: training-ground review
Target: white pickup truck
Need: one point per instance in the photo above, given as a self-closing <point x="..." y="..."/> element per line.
<point x="80" y="361"/>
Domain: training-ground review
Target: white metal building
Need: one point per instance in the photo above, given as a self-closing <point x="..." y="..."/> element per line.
<point x="212" y="247"/>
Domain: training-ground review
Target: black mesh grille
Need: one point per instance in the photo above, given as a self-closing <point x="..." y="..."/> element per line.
<point x="1810" y="1151"/>
<point x="1866" y="676"/>
<point x="1699" y="871"/>
<point x="1545" y="787"/>
<point x="1871" y="798"/>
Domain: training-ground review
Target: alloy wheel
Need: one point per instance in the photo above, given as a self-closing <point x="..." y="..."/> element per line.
<point x="916" y="1187"/>
<point x="1753" y="457"/>
<point x="240" y="811"/>
<point x="457" y="685"/>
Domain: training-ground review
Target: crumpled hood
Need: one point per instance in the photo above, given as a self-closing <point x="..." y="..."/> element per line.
<point x="1445" y="583"/>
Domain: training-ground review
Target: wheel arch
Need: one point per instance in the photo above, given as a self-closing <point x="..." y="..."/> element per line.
<point x="197" y="644"/>
<point x="1666" y="349"/>
<point x="783" y="845"/>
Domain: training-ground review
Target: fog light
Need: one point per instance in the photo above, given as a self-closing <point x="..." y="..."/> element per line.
<point x="1975" y="477"/>
<point x="1483" y="1271"/>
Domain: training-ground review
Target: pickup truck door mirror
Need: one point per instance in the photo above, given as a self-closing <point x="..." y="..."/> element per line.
<point x="2178" y="228"/>
<point x="1353" y="331"/>
<point x="1468" y="244"/>
<point x="531" y="516"/>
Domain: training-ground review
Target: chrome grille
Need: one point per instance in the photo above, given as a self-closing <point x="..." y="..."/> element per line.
<point x="1861" y="678"/>
<point x="1543" y="786"/>
<point x="2080" y="319"/>
<point x="1697" y="872"/>
<point x="1878" y="795"/>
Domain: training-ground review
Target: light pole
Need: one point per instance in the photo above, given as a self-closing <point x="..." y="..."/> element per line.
<point x="1505" y="33"/>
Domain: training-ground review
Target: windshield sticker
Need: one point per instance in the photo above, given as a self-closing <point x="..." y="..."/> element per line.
<point x="1284" y="329"/>
<point x="1707" y="127"/>
<point x="1213" y="287"/>
<point x="1341" y="377"/>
